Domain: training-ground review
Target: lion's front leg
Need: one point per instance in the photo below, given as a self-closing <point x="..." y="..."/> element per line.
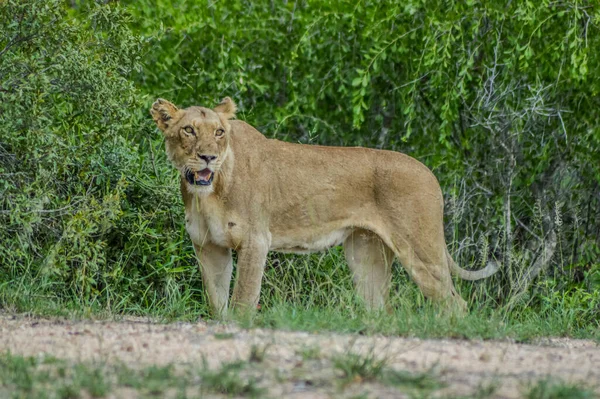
<point x="250" y="268"/>
<point x="216" y="265"/>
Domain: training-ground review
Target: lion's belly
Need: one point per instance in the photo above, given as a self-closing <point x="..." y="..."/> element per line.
<point x="291" y="243"/>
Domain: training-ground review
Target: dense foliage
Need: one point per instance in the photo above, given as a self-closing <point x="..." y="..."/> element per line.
<point x="499" y="99"/>
<point x="80" y="199"/>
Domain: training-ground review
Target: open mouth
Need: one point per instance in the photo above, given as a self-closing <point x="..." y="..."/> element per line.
<point x="203" y="177"/>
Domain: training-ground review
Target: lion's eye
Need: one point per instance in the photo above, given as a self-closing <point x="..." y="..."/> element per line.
<point x="219" y="132"/>
<point x="189" y="130"/>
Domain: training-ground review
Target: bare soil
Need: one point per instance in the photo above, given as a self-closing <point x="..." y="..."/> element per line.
<point x="298" y="364"/>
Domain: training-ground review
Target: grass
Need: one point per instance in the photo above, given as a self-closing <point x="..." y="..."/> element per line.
<point x="362" y="372"/>
<point x="486" y="390"/>
<point x="315" y="293"/>
<point x="310" y="352"/>
<point x="228" y="380"/>
<point x="549" y="389"/>
<point x="357" y="367"/>
<point x="30" y="377"/>
<point x="420" y="381"/>
<point x="224" y="335"/>
<point x="47" y="377"/>
<point x="424" y="322"/>
<point x="412" y="317"/>
<point x="152" y="380"/>
<point x="258" y="353"/>
<point x="366" y="367"/>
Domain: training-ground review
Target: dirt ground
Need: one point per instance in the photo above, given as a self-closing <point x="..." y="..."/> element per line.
<point x="464" y="367"/>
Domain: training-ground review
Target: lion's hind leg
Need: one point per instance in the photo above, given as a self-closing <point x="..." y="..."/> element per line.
<point x="428" y="267"/>
<point x="370" y="261"/>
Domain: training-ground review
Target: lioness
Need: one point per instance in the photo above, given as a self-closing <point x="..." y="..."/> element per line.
<point x="246" y="192"/>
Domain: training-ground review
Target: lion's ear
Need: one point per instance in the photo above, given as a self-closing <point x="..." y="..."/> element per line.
<point x="227" y="108"/>
<point x="162" y="112"/>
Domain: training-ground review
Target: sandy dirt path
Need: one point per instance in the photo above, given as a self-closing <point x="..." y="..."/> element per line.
<point x="464" y="367"/>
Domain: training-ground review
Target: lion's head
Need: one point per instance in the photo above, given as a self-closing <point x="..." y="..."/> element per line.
<point x="197" y="140"/>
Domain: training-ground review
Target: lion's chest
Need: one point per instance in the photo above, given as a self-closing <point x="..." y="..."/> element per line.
<point x="208" y="224"/>
<point x="196" y="227"/>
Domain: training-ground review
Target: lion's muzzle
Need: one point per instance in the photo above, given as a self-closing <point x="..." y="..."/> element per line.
<point x="203" y="177"/>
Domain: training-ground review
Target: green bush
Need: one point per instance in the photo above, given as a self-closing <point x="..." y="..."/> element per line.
<point x="85" y="212"/>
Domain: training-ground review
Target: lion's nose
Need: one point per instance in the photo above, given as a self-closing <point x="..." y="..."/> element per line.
<point x="207" y="158"/>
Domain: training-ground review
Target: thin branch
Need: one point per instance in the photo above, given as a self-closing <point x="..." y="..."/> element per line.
<point x="15" y="41"/>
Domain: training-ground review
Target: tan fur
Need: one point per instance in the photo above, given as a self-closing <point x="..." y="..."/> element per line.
<point x="269" y="195"/>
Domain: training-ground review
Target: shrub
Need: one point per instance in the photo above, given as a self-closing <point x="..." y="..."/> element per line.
<point x="80" y="203"/>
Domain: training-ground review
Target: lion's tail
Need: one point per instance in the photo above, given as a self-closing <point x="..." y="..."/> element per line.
<point x="491" y="268"/>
